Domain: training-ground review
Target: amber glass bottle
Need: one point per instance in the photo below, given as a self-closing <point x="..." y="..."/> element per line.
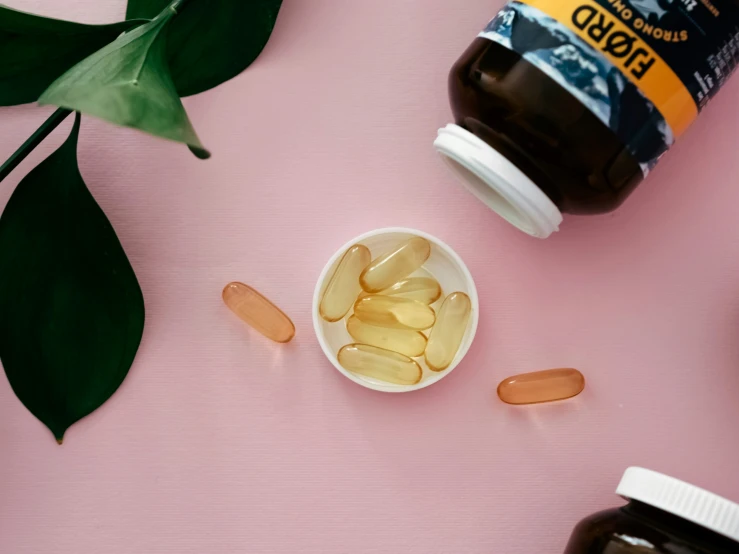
<point x="550" y="120"/>
<point x="663" y="516"/>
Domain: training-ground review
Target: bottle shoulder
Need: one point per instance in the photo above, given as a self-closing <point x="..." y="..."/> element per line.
<point x="543" y="129"/>
<point x="644" y="530"/>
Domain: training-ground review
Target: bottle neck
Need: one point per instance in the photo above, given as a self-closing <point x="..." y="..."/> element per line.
<point x="692" y="533"/>
<point x="497" y="182"/>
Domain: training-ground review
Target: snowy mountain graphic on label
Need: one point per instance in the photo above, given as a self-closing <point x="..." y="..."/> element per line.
<point x="650" y="7"/>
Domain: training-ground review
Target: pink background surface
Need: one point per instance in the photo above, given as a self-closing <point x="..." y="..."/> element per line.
<point x="222" y="442"/>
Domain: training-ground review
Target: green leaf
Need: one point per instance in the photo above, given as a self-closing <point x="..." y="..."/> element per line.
<point x="128" y="83"/>
<point x="212" y="41"/>
<point x="71" y="310"/>
<point x="36" y="50"/>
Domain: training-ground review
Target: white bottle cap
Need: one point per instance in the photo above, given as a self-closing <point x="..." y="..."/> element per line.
<point x="681" y="499"/>
<point x="497" y="182"/>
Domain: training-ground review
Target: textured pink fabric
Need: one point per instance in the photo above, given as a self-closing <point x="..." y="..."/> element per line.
<point x="220" y="442"/>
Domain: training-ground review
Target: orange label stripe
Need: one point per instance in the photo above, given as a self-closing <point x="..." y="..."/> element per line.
<point x="625" y="49"/>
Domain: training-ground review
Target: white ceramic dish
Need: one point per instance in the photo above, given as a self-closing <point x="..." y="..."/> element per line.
<point x="444" y="265"/>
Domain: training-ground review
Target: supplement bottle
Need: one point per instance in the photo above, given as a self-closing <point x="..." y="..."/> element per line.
<point x="566" y="105"/>
<point x="663" y="516"/>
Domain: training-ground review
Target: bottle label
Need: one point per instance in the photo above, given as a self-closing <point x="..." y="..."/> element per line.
<point x="645" y="68"/>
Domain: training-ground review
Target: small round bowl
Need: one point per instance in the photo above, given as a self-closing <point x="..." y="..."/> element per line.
<point x="444" y="265"/>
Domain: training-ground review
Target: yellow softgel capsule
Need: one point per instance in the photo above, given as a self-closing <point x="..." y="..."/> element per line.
<point x="541" y="386"/>
<point x="257" y="311"/>
<point x="448" y="332"/>
<point x="395" y="313"/>
<point x="390" y="268"/>
<point x="343" y="287"/>
<point x="379" y="363"/>
<point x="409" y="343"/>
<point x="423" y="289"/>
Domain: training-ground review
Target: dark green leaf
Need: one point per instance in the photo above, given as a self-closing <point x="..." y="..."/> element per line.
<point x="128" y="83"/>
<point x="148" y="9"/>
<point x="36" y="50"/>
<point x="212" y="41"/>
<point x="71" y="310"/>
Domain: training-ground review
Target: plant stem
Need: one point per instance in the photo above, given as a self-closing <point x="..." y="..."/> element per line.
<point x="50" y="124"/>
<point x="176" y="5"/>
<point x="35" y="139"/>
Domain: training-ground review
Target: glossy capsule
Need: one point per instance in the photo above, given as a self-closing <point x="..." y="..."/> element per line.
<point x="541" y="386"/>
<point x="258" y="312"/>
<point x="409" y="343"/>
<point x="395" y="313"/>
<point x="390" y="268"/>
<point x="423" y="289"/>
<point x="448" y="332"/>
<point x="381" y="364"/>
<point x="343" y="287"/>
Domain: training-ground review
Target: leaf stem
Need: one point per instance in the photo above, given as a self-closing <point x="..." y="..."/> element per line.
<point x="176" y="5"/>
<point x="34" y="140"/>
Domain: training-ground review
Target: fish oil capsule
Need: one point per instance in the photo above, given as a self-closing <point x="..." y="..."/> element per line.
<point x="541" y="386"/>
<point x="379" y="363"/>
<point x="448" y="332"/>
<point x="407" y="342"/>
<point x="423" y="289"/>
<point x="343" y="288"/>
<point x="390" y="268"/>
<point x="396" y="313"/>
<point x="258" y="312"/>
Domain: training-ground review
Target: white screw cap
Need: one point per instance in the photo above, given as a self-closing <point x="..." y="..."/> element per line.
<point x="681" y="499"/>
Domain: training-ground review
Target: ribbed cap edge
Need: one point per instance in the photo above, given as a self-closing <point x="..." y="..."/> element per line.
<point x="681" y="499"/>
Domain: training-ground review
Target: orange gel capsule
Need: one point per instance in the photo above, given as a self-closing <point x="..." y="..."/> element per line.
<point x="390" y="268"/>
<point x="409" y="343"/>
<point x="448" y="332"/>
<point x="396" y="313"/>
<point x="381" y="364"/>
<point x="258" y="312"/>
<point x="423" y="289"/>
<point x="343" y="288"/>
<point x="541" y="386"/>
